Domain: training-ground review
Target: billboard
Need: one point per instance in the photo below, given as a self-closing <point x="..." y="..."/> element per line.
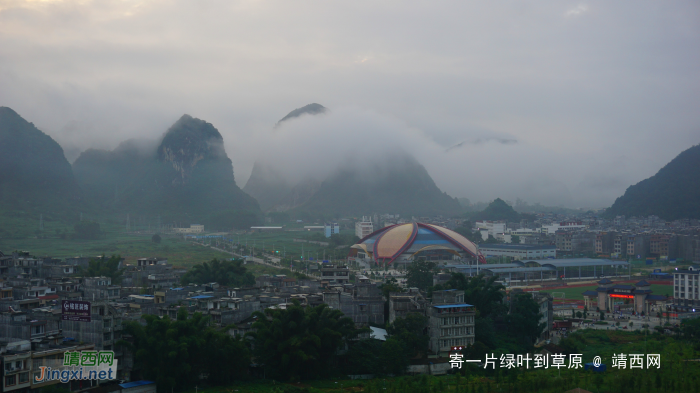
<point x="75" y="310"/>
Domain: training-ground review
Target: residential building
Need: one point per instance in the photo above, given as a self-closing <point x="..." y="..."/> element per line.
<point x="403" y="303"/>
<point x="686" y="286"/>
<point x="331" y="228"/>
<point x="335" y="274"/>
<point x="450" y="321"/>
<point x="364" y="228"/>
<point x="491" y="227"/>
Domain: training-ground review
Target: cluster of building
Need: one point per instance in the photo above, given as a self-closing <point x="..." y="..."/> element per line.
<point x="32" y="328"/>
<point x="620" y="238"/>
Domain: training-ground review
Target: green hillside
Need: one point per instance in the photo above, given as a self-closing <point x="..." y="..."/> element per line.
<point x="187" y="178"/>
<point x="35" y="177"/>
<point x="499" y="210"/>
<point x="403" y="187"/>
<point x="672" y="193"/>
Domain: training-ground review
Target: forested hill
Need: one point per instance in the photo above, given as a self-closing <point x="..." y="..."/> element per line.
<point x="34" y="171"/>
<point x="401" y="186"/>
<point x="187" y="177"/>
<point x="673" y="193"/>
<point x="499" y="210"/>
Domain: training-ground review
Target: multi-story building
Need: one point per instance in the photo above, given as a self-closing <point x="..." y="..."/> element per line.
<point x="103" y="330"/>
<point x="16" y="363"/>
<point x="491" y="228"/>
<point x="604" y="243"/>
<point x="562" y="226"/>
<point x="659" y="245"/>
<point x="450" y="321"/>
<point x="638" y="246"/>
<point x="363" y="303"/>
<point x="563" y="241"/>
<point x="364" y="228"/>
<point x="331" y="228"/>
<point x="403" y="303"/>
<point x="20" y="364"/>
<point x="335" y="274"/>
<point x="100" y="288"/>
<point x="686" y="286"/>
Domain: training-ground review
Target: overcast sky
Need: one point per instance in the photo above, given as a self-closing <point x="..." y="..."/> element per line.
<point x="550" y="101"/>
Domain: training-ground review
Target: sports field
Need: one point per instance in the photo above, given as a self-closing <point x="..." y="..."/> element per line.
<point x="575" y="293"/>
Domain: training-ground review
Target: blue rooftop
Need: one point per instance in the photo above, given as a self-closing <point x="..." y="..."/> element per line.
<point x="176" y="289"/>
<point x="202" y="297"/>
<point x="134" y="384"/>
<point x="453" y="305"/>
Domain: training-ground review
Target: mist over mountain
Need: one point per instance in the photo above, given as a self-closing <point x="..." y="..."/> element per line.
<point x="311" y="109"/>
<point x="187" y="176"/>
<point x="35" y="172"/>
<point x="672" y="193"/>
<point x="388" y="180"/>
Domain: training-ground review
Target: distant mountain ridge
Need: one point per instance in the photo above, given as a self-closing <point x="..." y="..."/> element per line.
<point x="672" y="193"/>
<point x="396" y="183"/>
<point x="34" y="171"/>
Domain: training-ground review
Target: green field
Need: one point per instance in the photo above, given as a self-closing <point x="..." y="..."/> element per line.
<point x="179" y="252"/>
<point x="575" y="293"/>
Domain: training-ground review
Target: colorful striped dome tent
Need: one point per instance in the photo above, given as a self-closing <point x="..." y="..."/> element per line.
<point x="404" y="243"/>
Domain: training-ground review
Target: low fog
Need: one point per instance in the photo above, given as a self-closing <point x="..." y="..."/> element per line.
<point x="481" y="167"/>
<point x="556" y="102"/>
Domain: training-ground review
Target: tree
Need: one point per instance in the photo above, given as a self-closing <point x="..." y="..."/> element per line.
<point x="362" y="357"/>
<point x="104" y="268"/>
<point x="300" y="342"/>
<point x="691" y="329"/>
<point x="390" y="286"/>
<point x="409" y="331"/>
<point x="515" y="239"/>
<point x="484" y="293"/>
<point x="156" y="238"/>
<point x="524" y="318"/>
<point x="87" y="230"/>
<point x="229" y="273"/>
<point x="175" y="353"/>
<point x="420" y="274"/>
<point x="393" y="357"/>
<point x="492" y="240"/>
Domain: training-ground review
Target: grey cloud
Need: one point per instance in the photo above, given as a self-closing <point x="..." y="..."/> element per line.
<point x="572" y="90"/>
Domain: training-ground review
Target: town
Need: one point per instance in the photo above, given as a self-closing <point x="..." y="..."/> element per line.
<point x="399" y="269"/>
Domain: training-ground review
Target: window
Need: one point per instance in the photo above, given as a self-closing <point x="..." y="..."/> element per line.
<point x="24" y="378"/>
<point x="10" y="380"/>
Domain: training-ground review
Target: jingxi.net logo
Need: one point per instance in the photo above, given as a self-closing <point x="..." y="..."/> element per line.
<point x="83" y="365"/>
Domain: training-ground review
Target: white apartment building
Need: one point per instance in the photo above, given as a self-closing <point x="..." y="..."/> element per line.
<point x="686" y="283"/>
<point x="565" y="225"/>
<point x="364" y="228"/>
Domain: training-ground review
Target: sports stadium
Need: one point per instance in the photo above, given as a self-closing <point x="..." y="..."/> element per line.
<point x="401" y="244"/>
